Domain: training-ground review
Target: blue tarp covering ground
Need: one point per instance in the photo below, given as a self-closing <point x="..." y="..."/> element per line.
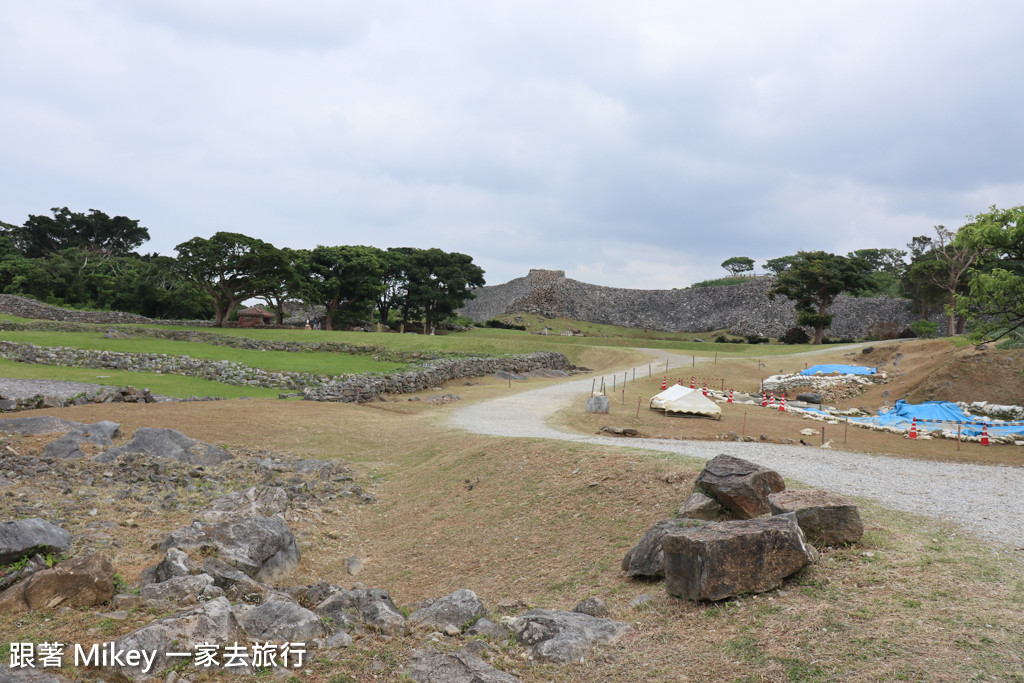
<point x="903" y="414"/>
<point x="841" y="369"/>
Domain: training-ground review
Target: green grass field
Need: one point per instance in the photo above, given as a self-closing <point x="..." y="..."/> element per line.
<point x="477" y="341"/>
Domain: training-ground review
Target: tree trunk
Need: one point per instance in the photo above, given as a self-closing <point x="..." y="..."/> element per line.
<point x="819" y="333"/>
<point x="951" y="316"/>
<point x="329" y="316"/>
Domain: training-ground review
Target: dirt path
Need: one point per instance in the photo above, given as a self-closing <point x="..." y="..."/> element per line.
<point x="983" y="499"/>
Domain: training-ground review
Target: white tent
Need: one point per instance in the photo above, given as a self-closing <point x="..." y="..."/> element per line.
<point x="673" y="392"/>
<point x="693" y="403"/>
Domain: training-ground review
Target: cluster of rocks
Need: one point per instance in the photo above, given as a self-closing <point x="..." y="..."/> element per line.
<point x="219" y="579"/>
<point x="830" y="384"/>
<point x="126" y="394"/>
<point x="362" y="388"/>
<point x="23" y="307"/>
<point x="742" y="309"/>
<point x="741" y="531"/>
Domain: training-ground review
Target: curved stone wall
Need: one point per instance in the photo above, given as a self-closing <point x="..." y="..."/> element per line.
<point x="742" y="309"/>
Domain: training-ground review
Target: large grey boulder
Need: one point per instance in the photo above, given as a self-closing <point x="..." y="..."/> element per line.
<point x="262" y="547"/>
<point x="431" y="666"/>
<point x="457" y="610"/>
<point x="646" y="558"/>
<point x="598" y="404"/>
<point x="168" y="443"/>
<point x="79" y="582"/>
<point x="739" y="485"/>
<point x="721" y="559"/>
<point x="564" y="637"/>
<point x="212" y="622"/>
<point x="38" y="424"/>
<point x="237" y="585"/>
<point x="22" y="537"/>
<point x="281" y="621"/>
<point x="69" y="445"/>
<point x="825" y="518"/>
<point x="369" y="607"/>
<point x="258" y="501"/>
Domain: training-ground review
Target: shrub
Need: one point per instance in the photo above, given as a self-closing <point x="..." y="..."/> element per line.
<point x="926" y="329"/>
<point x="501" y="325"/>
<point x="755" y="339"/>
<point x="795" y="335"/>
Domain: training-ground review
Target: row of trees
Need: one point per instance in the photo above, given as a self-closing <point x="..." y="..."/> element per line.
<point x="975" y="274"/>
<point x="91" y="260"/>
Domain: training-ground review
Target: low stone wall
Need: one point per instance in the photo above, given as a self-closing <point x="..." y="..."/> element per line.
<point x="346" y="388"/>
<point x="369" y="387"/>
<point x="128" y="394"/>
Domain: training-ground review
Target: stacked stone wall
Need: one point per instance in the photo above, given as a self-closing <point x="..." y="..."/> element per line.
<point x="742" y="309"/>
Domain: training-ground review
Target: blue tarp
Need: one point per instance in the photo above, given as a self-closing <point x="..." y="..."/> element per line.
<point x="903" y="414"/>
<point x="841" y="369"/>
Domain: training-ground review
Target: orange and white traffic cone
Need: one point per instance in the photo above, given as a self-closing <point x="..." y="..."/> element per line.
<point x="730" y="396"/>
<point x="913" y="429"/>
<point x="691" y="382"/>
<point x="984" y="434"/>
<point x="782" y="405"/>
<point x="705" y="389"/>
<point x="771" y="400"/>
<point x="664" y="383"/>
<point x="764" y="399"/>
<point x="680" y="382"/>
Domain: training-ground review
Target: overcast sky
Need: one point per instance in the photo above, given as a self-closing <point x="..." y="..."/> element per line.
<point x="633" y="144"/>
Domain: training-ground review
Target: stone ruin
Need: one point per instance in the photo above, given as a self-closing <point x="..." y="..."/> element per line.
<point x="741" y="531"/>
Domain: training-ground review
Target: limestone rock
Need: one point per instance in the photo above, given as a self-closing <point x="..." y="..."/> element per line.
<point x="258" y="501"/>
<point x="739" y="485"/>
<point x="458" y="609"/>
<point x="646" y="558"/>
<point x="79" y="582"/>
<point x="700" y="506"/>
<point x="564" y="637"/>
<point x="371" y="607"/>
<point x="598" y="404"/>
<point x="182" y="590"/>
<point x="825" y="518"/>
<point x="722" y="559"/>
<point x="237" y="585"/>
<point x="211" y="622"/>
<point x="281" y="621"/>
<point x="69" y="445"/>
<point x="175" y="563"/>
<point x="23" y="537"/>
<point x="809" y="397"/>
<point x="168" y="443"/>
<point x="262" y="547"/>
<point x="595" y="607"/>
<point x="431" y="666"/>
<point x="486" y="627"/>
<point x="39" y="424"/>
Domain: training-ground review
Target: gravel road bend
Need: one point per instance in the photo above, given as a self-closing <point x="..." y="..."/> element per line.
<point x="983" y="499"/>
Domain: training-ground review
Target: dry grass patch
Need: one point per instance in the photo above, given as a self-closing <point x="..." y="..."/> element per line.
<point x="547" y="524"/>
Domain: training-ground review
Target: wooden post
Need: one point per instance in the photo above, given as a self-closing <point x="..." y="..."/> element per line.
<point x="744" y="423"/>
<point x="614" y="377"/>
<point x="623" y="401"/>
<point x="823" y="435"/>
<point x="593" y="382"/>
<point x="666" y="365"/>
<point x="693" y="361"/>
<point x="958" y="426"/>
<point x="649" y="370"/>
<point x="638" y="399"/>
<point x="634" y="374"/>
<point x="846" y="429"/>
<point x="716" y="357"/>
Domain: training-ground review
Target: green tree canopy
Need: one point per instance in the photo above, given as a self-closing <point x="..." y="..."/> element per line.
<point x="738" y="264"/>
<point x="345" y="280"/>
<point x="776" y="266"/>
<point x="812" y="281"/>
<point x="228" y="266"/>
<point x="95" y="232"/>
<point x="440" y="282"/>
<point x="995" y="295"/>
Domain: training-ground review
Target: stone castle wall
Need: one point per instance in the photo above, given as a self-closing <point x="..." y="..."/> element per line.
<point x="742" y="309"/>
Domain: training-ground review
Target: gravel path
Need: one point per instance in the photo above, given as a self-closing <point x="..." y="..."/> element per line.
<point x="986" y="500"/>
<point x="27" y="388"/>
